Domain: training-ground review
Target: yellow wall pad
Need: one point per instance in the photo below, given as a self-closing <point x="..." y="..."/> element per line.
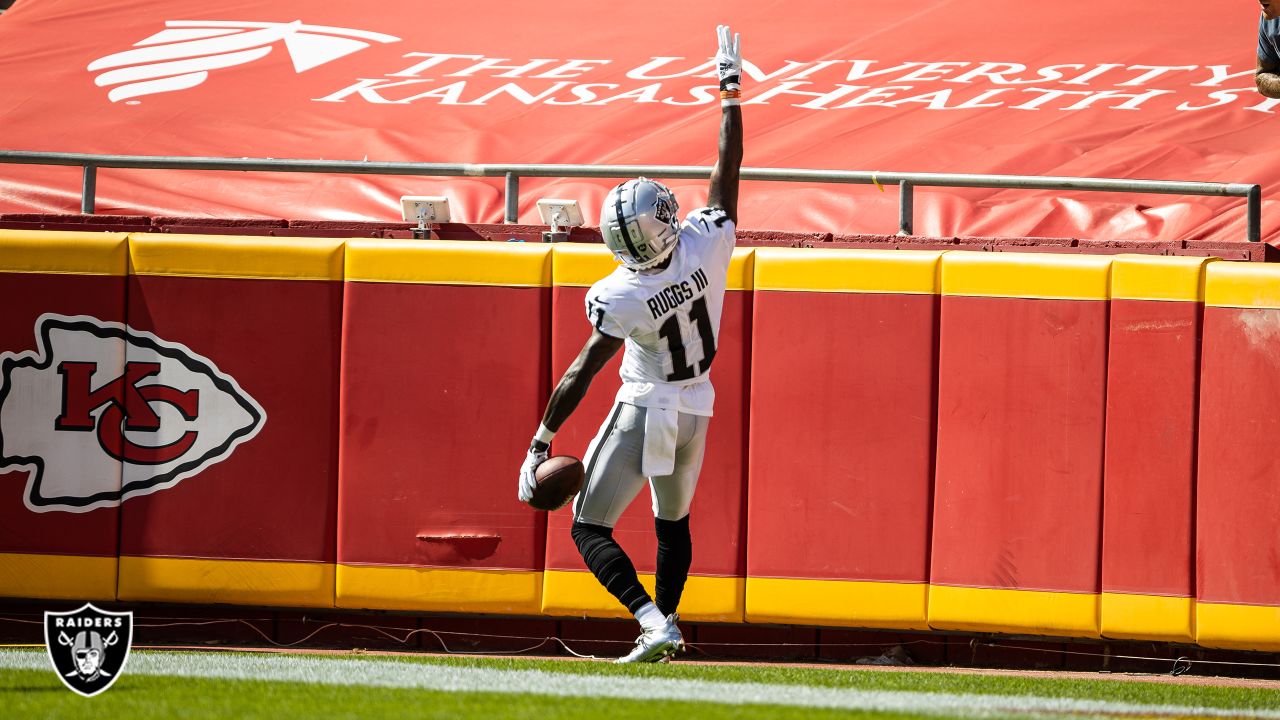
<point x="900" y="606"/>
<point x="1020" y="612"/>
<point x="70" y="577"/>
<point x="236" y="582"/>
<point x="230" y="256"/>
<point x="1238" y="627"/>
<point x="742" y="269"/>
<point x="853" y="271"/>
<point x="581" y="265"/>
<point x="1148" y="617"/>
<point x="72" y="253"/>
<point x="1026" y="275"/>
<point x="579" y="594"/>
<point x="1152" y="277"/>
<point x="379" y="587"/>
<point x="449" y="262"/>
<point x="1242" y="285"/>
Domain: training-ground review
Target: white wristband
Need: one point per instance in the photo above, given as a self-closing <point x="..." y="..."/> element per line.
<point x="730" y="102"/>
<point x="543" y="434"/>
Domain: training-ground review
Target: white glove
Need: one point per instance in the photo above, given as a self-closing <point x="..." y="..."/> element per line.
<point x="728" y="60"/>
<point x="528" y="481"/>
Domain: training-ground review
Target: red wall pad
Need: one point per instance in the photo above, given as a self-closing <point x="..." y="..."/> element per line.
<point x="1153" y="365"/>
<point x="63" y="299"/>
<point x="445" y="364"/>
<point x="1021" y="396"/>
<point x="1238" y="498"/>
<point x="237" y="357"/>
<point x="842" y="408"/>
<point x="715" y="588"/>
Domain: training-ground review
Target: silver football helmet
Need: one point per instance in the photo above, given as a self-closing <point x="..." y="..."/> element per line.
<point x="639" y="222"/>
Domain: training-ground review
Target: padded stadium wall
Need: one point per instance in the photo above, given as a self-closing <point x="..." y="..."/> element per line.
<point x="1024" y="443"/>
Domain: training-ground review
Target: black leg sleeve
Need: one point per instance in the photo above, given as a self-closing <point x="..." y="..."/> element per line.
<point x="675" y="553"/>
<point x="610" y="564"/>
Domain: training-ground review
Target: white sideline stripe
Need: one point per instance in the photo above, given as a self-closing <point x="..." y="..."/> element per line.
<point x="423" y="676"/>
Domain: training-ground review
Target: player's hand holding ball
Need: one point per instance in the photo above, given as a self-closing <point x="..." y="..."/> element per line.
<point x="538" y="453"/>
<point x="549" y="483"/>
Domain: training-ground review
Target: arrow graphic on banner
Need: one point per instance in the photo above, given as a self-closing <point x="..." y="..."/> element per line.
<point x="182" y="55"/>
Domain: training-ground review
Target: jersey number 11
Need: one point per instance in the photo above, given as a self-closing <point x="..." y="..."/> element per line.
<point x="670" y="331"/>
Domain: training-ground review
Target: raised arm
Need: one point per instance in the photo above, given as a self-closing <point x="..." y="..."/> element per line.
<point x="723" y="192"/>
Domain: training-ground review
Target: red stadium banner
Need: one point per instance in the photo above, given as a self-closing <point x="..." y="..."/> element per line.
<point x="238" y="503"/>
<point x="1149" y="478"/>
<point x="1022" y="371"/>
<point x="444" y="371"/>
<point x="1146" y="89"/>
<point x="1237" y="497"/>
<point x="843" y="392"/>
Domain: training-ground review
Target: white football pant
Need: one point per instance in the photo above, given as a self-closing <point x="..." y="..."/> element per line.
<point x="613" y="465"/>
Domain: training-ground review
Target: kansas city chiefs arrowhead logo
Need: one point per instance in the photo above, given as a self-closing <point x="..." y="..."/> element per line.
<point x="99" y="413"/>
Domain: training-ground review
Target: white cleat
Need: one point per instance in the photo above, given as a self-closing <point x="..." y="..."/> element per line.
<point x="657" y="645"/>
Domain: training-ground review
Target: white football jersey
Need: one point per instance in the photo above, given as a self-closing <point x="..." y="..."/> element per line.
<point x="670" y="319"/>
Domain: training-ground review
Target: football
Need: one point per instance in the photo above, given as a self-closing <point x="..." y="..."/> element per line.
<point x="559" y="479"/>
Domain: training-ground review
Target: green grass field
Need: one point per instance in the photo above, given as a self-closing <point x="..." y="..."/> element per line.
<point x="163" y="684"/>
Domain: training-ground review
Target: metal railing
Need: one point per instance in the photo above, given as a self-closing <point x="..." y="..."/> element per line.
<point x="905" y="181"/>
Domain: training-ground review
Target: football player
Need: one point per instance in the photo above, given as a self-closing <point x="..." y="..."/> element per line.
<point x="663" y="305"/>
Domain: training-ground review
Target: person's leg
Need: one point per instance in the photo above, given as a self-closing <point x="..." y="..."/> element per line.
<point x="612" y="481"/>
<point x="675" y="554"/>
<point x="672" y="497"/>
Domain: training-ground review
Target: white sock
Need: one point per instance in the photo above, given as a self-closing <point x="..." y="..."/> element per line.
<point x="650" y="617"/>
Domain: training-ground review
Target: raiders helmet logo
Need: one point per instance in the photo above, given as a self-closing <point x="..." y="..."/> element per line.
<point x="88" y="647"/>
<point x="662" y="210"/>
<point x="100" y="412"/>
